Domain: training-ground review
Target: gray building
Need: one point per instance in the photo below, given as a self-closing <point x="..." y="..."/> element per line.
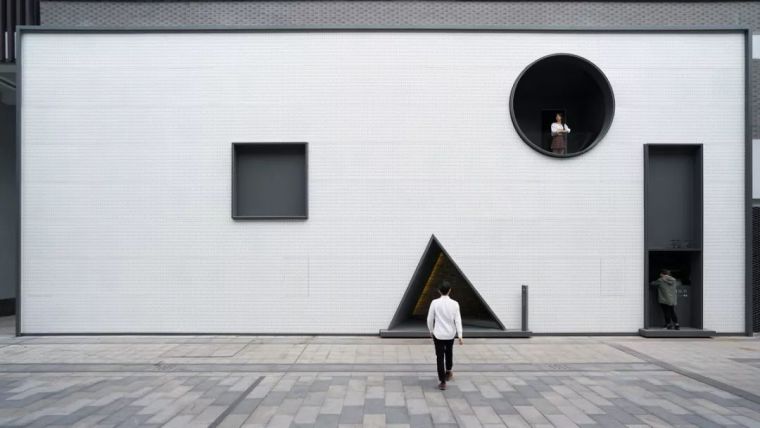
<point x="599" y="15"/>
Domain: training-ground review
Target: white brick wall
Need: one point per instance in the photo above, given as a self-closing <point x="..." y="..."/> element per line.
<point x="126" y="178"/>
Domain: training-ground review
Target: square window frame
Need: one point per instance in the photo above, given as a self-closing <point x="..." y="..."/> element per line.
<point x="234" y="172"/>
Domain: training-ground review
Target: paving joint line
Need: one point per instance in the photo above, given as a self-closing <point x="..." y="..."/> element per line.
<point x="222" y="416"/>
<point x="35" y="341"/>
<point x="305" y="345"/>
<point x="243" y="346"/>
<point x="164" y="367"/>
<point x="749" y="396"/>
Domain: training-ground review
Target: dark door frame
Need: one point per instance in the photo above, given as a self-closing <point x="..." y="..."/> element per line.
<point x="699" y="221"/>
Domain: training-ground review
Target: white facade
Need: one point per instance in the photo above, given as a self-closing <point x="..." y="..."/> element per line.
<point x="126" y="138"/>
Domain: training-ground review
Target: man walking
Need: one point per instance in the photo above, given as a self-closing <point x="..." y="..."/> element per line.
<point x="444" y="322"/>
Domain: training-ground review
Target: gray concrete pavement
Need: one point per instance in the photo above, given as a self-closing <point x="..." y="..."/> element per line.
<point x="234" y="381"/>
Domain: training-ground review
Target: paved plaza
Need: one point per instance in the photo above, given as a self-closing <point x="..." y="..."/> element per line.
<point x="259" y="381"/>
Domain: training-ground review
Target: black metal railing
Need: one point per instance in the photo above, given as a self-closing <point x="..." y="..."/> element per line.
<point x="12" y="14"/>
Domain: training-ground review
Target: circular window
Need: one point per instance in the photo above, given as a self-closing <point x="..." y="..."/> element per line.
<point x="562" y="105"/>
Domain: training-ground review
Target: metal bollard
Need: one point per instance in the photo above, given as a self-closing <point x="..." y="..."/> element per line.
<point x="524" y="308"/>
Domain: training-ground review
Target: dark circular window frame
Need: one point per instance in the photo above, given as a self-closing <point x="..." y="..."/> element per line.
<point x="607" y="91"/>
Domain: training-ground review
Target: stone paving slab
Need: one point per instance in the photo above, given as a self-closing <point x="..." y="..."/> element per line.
<point x="643" y="398"/>
<point x="251" y="381"/>
<point x="311" y="368"/>
<point x="384" y="351"/>
<point x="719" y="364"/>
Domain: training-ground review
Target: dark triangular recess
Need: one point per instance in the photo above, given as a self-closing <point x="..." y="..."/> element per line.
<point x="435" y="266"/>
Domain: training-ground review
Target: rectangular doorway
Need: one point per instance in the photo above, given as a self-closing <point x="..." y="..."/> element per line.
<point x="673" y="230"/>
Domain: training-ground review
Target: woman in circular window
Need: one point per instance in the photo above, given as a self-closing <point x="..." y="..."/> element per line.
<point x="553" y="88"/>
<point x="559" y="130"/>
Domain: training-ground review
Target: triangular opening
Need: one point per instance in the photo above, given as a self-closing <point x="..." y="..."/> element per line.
<point x="434" y="267"/>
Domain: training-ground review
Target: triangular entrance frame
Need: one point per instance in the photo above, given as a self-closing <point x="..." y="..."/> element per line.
<point x="415" y="287"/>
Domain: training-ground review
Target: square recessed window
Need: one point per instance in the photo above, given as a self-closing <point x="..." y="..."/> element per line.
<point x="269" y="181"/>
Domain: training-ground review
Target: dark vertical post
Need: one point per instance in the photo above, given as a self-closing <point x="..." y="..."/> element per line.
<point x="647" y="309"/>
<point x="748" y="291"/>
<point x="28" y="9"/>
<point x="10" y="13"/>
<point x="29" y="12"/>
<point x="17" y="196"/>
<point x="3" y="30"/>
<point x="20" y="12"/>
<point x="697" y="308"/>
<point x="524" y="308"/>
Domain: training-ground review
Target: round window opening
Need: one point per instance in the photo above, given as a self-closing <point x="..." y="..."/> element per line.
<point x="562" y="105"/>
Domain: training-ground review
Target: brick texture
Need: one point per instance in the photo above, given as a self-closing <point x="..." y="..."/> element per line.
<point x="126" y="221"/>
<point x="410" y="13"/>
<point x="568" y="14"/>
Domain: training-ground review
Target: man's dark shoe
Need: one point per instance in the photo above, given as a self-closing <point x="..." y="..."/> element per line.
<point x="670" y="327"/>
<point x="449" y="375"/>
<point x="442" y="386"/>
<point x="677" y="327"/>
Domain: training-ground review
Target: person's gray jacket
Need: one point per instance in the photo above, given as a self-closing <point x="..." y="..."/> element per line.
<point x="666" y="289"/>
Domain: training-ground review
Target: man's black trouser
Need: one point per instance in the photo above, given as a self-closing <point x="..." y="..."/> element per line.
<point x="669" y="312"/>
<point x="444" y="349"/>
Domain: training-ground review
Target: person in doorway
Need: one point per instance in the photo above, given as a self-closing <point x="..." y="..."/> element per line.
<point x="445" y="323"/>
<point x="559" y="135"/>
<point x="667" y="287"/>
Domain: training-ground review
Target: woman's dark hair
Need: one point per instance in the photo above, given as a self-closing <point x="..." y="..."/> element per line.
<point x="664" y="271"/>
<point x="444" y="288"/>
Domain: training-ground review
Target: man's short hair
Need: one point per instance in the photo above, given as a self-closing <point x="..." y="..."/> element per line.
<point x="664" y="271"/>
<point x="444" y="288"/>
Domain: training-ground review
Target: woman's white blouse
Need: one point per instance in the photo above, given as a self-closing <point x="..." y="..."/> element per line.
<point x="556" y="127"/>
